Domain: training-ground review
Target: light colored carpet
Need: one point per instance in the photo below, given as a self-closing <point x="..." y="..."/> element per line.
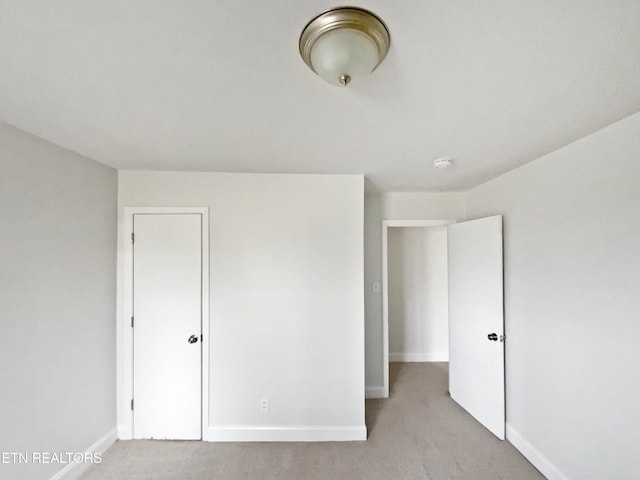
<point x="418" y="433"/>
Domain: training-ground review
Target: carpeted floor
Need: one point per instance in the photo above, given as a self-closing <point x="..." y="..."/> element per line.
<point x="418" y="433"/>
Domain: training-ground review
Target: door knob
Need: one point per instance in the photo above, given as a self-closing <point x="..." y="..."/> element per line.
<point x="493" y="337"/>
<point x="193" y="339"/>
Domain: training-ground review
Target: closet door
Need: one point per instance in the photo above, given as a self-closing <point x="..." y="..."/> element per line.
<point x="167" y="326"/>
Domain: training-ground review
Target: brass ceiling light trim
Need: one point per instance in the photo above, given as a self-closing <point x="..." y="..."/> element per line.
<point x="344" y="44"/>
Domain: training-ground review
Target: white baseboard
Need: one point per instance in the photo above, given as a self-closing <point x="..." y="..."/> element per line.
<point x="419" y="357"/>
<point x="257" y="433"/>
<point x="536" y="458"/>
<point x="73" y="471"/>
<point x="374" y="392"/>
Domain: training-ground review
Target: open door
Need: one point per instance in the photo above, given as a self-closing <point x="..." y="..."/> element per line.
<point x="476" y="320"/>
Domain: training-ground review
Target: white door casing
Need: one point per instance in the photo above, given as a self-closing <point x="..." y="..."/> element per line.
<point x="476" y="320"/>
<point x="125" y="332"/>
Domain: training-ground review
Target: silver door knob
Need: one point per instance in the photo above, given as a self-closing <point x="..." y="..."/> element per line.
<point x="193" y="339"/>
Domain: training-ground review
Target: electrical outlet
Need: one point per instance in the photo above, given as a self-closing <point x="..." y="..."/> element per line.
<point x="264" y="405"/>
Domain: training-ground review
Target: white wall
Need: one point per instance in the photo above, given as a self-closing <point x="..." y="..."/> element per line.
<point x="58" y="294"/>
<point x="423" y="206"/>
<point x="418" y="294"/>
<point x="287" y="313"/>
<point x="393" y="206"/>
<point x="572" y="300"/>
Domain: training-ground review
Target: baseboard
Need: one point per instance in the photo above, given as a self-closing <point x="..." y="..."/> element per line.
<point x="536" y="458"/>
<point x="257" y="433"/>
<point x="419" y="357"/>
<point x="73" y="471"/>
<point x="374" y="392"/>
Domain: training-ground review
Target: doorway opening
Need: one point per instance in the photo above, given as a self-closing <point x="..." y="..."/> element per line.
<point x="469" y="255"/>
<point x="415" y="292"/>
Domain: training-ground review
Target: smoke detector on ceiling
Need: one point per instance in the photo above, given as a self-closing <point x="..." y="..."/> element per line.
<point x="443" y="163"/>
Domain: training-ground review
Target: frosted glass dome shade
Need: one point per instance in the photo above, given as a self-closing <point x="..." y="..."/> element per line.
<point x="343" y="56"/>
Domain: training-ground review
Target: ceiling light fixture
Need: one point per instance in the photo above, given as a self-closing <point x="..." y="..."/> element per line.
<point x="344" y="44"/>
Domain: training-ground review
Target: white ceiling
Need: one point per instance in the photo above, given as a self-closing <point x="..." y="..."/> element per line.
<point x="218" y="85"/>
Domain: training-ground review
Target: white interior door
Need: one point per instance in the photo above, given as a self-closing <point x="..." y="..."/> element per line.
<point x="476" y="320"/>
<point x="167" y="326"/>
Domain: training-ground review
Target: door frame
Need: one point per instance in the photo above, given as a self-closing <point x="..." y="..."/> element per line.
<point x="386" y="224"/>
<point x="124" y="342"/>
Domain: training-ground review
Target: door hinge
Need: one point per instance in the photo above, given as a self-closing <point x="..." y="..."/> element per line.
<point x="132" y="237"/>
<point x="132" y="404"/>
<point x="131" y="322"/>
